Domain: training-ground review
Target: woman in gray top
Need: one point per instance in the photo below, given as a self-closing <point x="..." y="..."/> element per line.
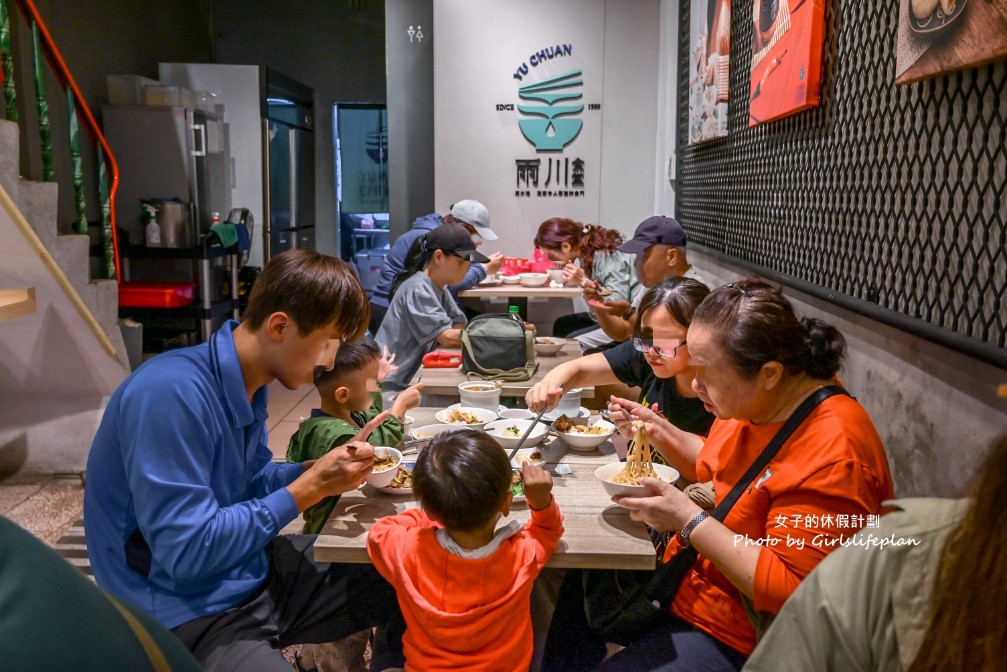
<point x="422" y="314"/>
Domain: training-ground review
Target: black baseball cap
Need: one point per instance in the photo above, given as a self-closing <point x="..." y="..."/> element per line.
<point x="656" y="230"/>
<point x="454" y="238"/>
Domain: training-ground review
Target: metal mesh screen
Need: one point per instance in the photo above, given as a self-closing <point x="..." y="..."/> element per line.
<point x="890" y="194"/>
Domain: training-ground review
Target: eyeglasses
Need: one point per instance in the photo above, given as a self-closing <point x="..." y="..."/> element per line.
<point x="645" y="344"/>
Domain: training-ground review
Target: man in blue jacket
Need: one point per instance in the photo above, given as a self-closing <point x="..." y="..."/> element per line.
<point x="474" y="216"/>
<point x="183" y="503"/>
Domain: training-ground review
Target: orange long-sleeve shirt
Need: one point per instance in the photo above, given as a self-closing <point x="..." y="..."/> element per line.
<point x="462" y="613"/>
<point x="817" y="491"/>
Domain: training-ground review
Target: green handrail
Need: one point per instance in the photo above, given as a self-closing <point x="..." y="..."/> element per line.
<point x="80" y="224"/>
<point x="79" y="116"/>
<point x="44" y="132"/>
<point x="9" y="92"/>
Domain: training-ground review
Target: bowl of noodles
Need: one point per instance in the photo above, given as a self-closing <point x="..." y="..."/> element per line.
<point x="386" y="466"/>
<point x="579" y="434"/>
<point x="615" y="482"/>
<point x="465" y="416"/>
<point x="508" y="432"/>
<point x="620" y="478"/>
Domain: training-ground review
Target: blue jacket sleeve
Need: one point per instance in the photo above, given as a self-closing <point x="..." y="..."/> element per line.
<point x="195" y="517"/>
<point x="270" y="476"/>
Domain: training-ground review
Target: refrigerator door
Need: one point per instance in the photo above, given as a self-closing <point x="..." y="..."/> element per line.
<point x="281" y="241"/>
<point x="209" y="166"/>
<point x="304" y="238"/>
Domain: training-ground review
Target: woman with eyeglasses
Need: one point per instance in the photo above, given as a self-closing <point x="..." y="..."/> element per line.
<point x="655" y="359"/>
<point x="756" y="362"/>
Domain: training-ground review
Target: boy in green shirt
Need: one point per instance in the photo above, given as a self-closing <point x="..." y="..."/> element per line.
<point x="350" y="397"/>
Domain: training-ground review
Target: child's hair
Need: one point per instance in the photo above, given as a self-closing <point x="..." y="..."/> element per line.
<point x="314" y="290"/>
<point x="350" y="358"/>
<point x="591" y="238"/>
<point x="462" y="478"/>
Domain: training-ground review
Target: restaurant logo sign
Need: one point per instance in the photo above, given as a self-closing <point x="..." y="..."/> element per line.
<point x="550" y="120"/>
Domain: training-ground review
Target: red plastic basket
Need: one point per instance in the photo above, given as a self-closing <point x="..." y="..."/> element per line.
<point x="155" y="294"/>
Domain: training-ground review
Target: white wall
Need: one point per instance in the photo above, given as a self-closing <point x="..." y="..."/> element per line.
<point x="481" y="43"/>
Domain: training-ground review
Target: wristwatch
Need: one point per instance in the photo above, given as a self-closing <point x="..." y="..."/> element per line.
<point x="683" y="536"/>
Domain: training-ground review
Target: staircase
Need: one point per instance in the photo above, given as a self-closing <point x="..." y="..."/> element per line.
<point x="55" y="373"/>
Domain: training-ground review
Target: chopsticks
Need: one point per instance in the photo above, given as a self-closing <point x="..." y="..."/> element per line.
<point x="527" y="432"/>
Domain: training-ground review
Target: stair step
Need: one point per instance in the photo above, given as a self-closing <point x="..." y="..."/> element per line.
<point x="37" y="201"/>
<point x="73" y="254"/>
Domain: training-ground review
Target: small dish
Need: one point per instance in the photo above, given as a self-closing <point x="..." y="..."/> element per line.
<point x="453" y="416"/>
<point x="529" y="455"/>
<point x="405" y="470"/>
<point x="551" y="416"/>
<point x="548" y="345"/>
<point x="428" y="432"/>
<point x="510" y="279"/>
<point x="516" y="414"/>
<point x="408" y="420"/>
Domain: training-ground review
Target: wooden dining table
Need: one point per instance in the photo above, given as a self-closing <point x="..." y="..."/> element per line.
<point x="444" y="381"/>
<point x="518" y="295"/>
<point x="597" y="532"/>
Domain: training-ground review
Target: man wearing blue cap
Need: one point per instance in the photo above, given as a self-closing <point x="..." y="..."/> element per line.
<point x="659" y="244"/>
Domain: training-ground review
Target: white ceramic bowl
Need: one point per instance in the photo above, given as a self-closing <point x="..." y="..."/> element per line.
<point x="607" y="472"/>
<point x="497" y="428"/>
<point x="430" y="431"/>
<point x="533" y="279"/>
<point x="381" y="479"/>
<point x="549" y="345"/>
<point x="556" y="275"/>
<point x="482" y="414"/>
<point x="516" y="414"/>
<point x="480" y="394"/>
<point x="510" y="279"/>
<point x="587" y="441"/>
<point x="531" y="455"/>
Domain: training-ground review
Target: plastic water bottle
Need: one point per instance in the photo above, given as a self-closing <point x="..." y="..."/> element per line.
<point x="515" y="314"/>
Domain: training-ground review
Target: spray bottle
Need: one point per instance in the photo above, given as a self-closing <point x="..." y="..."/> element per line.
<point x="148" y="218"/>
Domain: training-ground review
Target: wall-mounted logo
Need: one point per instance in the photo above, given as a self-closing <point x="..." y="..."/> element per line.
<point x="551" y="129"/>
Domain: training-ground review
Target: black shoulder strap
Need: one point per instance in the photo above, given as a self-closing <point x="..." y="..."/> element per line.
<point x="792" y="423"/>
<point x="664" y="584"/>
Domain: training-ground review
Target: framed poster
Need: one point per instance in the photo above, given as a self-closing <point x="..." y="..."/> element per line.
<point x="787" y="41"/>
<point x="709" y="69"/>
<point x="937" y="36"/>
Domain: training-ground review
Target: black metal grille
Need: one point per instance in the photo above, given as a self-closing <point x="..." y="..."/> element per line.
<point x="890" y="194"/>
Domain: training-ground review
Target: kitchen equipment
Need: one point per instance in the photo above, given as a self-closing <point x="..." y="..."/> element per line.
<point x="167" y="154"/>
<point x="175" y="220"/>
<point x="270" y="120"/>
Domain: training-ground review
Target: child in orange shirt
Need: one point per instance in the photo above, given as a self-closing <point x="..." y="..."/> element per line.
<point x="464" y="586"/>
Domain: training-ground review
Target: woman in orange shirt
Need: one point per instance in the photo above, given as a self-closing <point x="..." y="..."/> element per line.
<point x="756" y="362"/>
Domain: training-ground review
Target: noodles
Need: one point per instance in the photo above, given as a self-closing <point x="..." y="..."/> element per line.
<point x="383" y="464"/>
<point x="638" y="460"/>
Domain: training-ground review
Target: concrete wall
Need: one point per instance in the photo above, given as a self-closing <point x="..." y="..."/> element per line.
<point x="410" y="111"/>
<point x="478" y="144"/>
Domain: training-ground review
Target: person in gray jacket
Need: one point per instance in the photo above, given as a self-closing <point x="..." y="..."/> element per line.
<point x="924" y="591"/>
<point x="474" y="216"/>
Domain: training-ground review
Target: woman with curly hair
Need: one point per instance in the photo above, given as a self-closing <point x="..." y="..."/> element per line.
<point x="588" y="256"/>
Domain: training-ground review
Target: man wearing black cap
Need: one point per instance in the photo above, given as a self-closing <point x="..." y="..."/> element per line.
<point x="659" y="245"/>
<point x="423" y="314"/>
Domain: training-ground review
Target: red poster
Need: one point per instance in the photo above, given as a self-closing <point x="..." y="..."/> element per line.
<point x="787" y="41"/>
